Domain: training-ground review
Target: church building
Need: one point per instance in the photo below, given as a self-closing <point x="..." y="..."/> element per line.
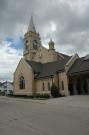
<point x="41" y="67"/>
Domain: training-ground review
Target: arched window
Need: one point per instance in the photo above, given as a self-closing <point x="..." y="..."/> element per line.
<point x="40" y="53"/>
<point x="43" y="86"/>
<point x="35" y="45"/>
<point x="62" y="85"/>
<point x="22" y="83"/>
<point x="26" y="47"/>
<point x="48" y="86"/>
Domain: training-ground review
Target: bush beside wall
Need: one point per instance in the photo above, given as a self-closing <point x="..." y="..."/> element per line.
<point x="54" y="91"/>
<point x="34" y="96"/>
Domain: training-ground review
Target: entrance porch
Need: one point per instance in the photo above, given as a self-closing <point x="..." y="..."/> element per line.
<point x="79" y="84"/>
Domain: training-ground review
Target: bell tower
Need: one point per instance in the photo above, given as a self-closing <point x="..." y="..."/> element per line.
<point x="31" y="41"/>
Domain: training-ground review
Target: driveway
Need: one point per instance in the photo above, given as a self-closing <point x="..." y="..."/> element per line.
<point x="60" y="116"/>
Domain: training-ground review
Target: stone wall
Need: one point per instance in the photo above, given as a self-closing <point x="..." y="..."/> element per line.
<point x="39" y="85"/>
<point x="43" y="55"/>
<point x="71" y="62"/>
<point x="23" y="69"/>
<point x="63" y="79"/>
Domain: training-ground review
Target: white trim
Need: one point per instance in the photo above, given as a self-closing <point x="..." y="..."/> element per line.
<point x="71" y="62"/>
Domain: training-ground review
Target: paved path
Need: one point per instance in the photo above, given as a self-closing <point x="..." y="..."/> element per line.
<point x="61" y="116"/>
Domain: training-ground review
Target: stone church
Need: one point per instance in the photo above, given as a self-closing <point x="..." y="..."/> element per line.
<point x="41" y="67"/>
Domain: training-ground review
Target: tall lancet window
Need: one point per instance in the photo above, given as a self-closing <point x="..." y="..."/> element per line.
<point x="26" y="47"/>
<point x="35" y="45"/>
<point x="22" y="83"/>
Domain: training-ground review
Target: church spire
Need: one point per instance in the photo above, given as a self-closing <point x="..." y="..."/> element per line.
<point x="31" y="26"/>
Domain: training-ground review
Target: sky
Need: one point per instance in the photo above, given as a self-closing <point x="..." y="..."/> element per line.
<point x="64" y="21"/>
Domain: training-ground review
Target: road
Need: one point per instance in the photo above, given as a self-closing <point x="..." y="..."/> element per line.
<point x="64" y="116"/>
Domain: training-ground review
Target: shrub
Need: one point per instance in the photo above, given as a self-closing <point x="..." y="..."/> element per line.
<point x="41" y="95"/>
<point x="46" y="95"/>
<point x="10" y="93"/>
<point x="30" y="96"/>
<point x="54" y="91"/>
<point x="36" y="96"/>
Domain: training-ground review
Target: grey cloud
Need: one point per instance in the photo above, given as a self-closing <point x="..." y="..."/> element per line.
<point x="72" y="26"/>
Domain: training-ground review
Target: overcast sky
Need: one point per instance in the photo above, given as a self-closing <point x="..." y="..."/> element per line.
<point x="65" y="21"/>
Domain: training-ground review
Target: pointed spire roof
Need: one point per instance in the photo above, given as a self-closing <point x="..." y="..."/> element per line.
<point x="31" y="26"/>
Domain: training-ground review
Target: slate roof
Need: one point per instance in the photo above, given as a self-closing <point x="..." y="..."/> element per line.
<point x="48" y="69"/>
<point x="37" y="66"/>
<point x="80" y="66"/>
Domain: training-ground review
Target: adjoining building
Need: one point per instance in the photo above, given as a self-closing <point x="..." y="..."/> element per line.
<point x="6" y="87"/>
<point x="0" y="86"/>
<point x="40" y="68"/>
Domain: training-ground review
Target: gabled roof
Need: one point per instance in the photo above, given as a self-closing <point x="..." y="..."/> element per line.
<point x="51" y="68"/>
<point x="36" y="66"/>
<point x="64" y="55"/>
<point x="80" y="66"/>
<point x="48" y="69"/>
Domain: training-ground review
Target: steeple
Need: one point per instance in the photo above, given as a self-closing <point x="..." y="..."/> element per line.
<point x="31" y="27"/>
<point x="32" y="41"/>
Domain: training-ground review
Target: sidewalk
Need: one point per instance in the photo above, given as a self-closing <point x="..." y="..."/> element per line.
<point x="23" y="99"/>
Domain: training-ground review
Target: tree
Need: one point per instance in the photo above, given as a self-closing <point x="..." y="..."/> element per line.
<point x="54" y="91"/>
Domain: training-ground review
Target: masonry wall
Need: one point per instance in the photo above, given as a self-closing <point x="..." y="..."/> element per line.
<point x="63" y="81"/>
<point x="57" y="80"/>
<point x="26" y="71"/>
<point x="29" y="38"/>
<point x="43" y="55"/>
<point x="39" y="85"/>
